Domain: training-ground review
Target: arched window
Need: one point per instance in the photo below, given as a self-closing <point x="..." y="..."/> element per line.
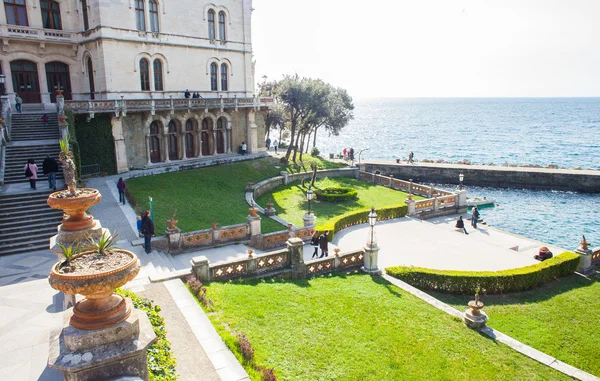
<point x="221" y="123"/>
<point x="90" y="69"/>
<point x="223" y="77"/>
<point x="211" y="24"/>
<point x="154" y="16"/>
<point x="16" y="12"/>
<point x="140" y="18"/>
<point x="158" y="75"/>
<point x="213" y="76"/>
<point x="50" y="14"/>
<point x="144" y="74"/>
<point x="206" y="136"/>
<point x="155" y="142"/>
<point x="57" y="76"/>
<point x="190" y="146"/>
<point x="222" y="26"/>
<point x="172" y="138"/>
<point x="86" y="24"/>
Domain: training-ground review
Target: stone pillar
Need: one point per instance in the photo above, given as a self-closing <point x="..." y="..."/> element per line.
<point x="216" y="233"/>
<point x="431" y="190"/>
<point x="462" y="198"/>
<point x="291" y="232"/>
<point x="175" y="239"/>
<point x="44" y="90"/>
<point x="585" y="257"/>
<point x="107" y="353"/>
<point x="309" y="220"/>
<point x="120" y="146"/>
<point x="60" y="104"/>
<point x="285" y="177"/>
<point x="252" y="132"/>
<point x="254" y="222"/>
<point x="228" y="133"/>
<point x="435" y="204"/>
<point x="6" y="109"/>
<point x="201" y="268"/>
<point x="296" y="252"/>
<point x="371" y="262"/>
<point x="147" y="139"/>
<point x="63" y="126"/>
<point x="410" y="185"/>
<point x="410" y="203"/>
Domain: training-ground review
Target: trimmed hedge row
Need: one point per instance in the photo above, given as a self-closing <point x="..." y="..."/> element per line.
<point x="494" y="282"/>
<point x="336" y="194"/>
<point x="357" y="217"/>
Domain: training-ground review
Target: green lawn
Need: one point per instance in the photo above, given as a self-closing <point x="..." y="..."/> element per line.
<point x="211" y="194"/>
<point x="290" y="200"/>
<point x="560" y="318"/>
<point x="359" y="328"/>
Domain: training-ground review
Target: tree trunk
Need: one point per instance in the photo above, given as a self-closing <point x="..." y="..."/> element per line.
<point x="314" y="176"/>
<point x="293" y="118"/>
<point x="302" y="146"/>
<point x="308" y="142"/>
<point x="315" y="137"/>
<point x="280" y="132"/>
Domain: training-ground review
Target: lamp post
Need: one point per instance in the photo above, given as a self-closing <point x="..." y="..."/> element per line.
<point x="309" y="197"/>
<point x="151" y="208"/>
<point x="371" y="249"/>
<point x="461" y="177"/>
<point x="372" y="221"/>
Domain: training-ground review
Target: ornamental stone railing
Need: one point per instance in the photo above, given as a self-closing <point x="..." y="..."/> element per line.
<point x="36" y="33"/>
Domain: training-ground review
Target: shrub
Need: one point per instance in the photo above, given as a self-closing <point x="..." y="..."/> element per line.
<point x="336" y="194"/>
<point x="360" y="217"/>
<point x="245" y="347"/>
<point x="495" y="282"/>
<point x="268" y="374"/>
<point x="198" y="289"/>
<point x="161" y="364"/>
<point x="315" y="152"/>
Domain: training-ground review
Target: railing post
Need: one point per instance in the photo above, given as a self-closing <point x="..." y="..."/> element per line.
<point x="585" y="257"/>
<point x="235" y="102"/>
<point x="392" y="181"/>
<point x="410" y="183"/>
<point x="201" y="268"/>
<point x="295" y="248"/>
<point x="410" y="203"/>
<point x="435" y="204"/>
<point x="431" y="190"/>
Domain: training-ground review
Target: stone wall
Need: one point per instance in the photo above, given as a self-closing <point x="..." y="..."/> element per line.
<point x="507" y="177"/>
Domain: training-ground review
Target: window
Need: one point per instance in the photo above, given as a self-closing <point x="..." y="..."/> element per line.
<point x="144" y="74"/>
<point x="223" y="77"/>
<point x="155" y="142"/>
<point x="16" y="12"/>
<point x="222" y="26"/>
<point x="140" y="18"/>
<point x="172" y="139"/>
<point x="86" y="24"/>
<point x="153" y="16"/>
<point x="190" y="146"/>
<point x="211" y="24"/>
<point x="90" y="69"/>
<point x="50" y="14"/>
<point x="158" y="75"/>
<point x="213" y="76"/>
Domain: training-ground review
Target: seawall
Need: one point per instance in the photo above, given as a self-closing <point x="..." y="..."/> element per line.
<point x="586" y="181"/>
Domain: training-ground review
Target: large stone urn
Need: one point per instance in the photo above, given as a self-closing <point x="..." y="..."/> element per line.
<point x="75" y="207"/>
<point x="101" y="307"/>
<point x="474" y="317"/>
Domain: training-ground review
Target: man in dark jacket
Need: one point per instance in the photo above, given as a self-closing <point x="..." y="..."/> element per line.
<point x="50" y="167"/>
<point x="147" y="231"/>
<point x="323" y="242"/>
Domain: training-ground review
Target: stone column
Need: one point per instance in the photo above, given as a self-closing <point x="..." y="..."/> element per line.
<point x="175" y="240"/>
<point x="120" y="146"/>
<point x="585" y="257"/>
<point x="435" y="204"/>
<point x="201" y="268"/>
<point x="216" y="234"/>
<point x="296" y="252"/>
<point x="431" y="190"/>
<point x="252" y="132"/>
<point x="392" y="181"/>
<point x="147" y="139"/>
<point x="214" y="146"/>
<point x="371" y="262"/>
<point x="410" y="185"/>
<point x="410" y="203"/>
<point x="228" y="133"/>
<point x="165" y="142"/>
<point x="285" y="175"/>
<point x="309" y="220"/>
<point x="44" y="91"/>
<point x="462" y="198"/>
<point x="254" y="222"/>
<point x="183" y="146"/>
<point x="6" y="109"/>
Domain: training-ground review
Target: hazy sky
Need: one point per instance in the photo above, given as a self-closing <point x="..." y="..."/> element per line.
<point x="436" y="48"/>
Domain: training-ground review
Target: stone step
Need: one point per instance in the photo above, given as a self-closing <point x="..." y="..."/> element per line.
<point x="19" y="224"/>
<point x="15" y="237"/>
<point x="23" y="196"/>
<point x="40" y="224"/>
<point x="20" y="212"/>
<point x="25" y="246"/>
<point x="7" y="219"/>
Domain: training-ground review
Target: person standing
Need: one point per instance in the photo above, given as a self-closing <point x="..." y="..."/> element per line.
<point x="50" y="167"/>
<point x="187" y="94"/>
<point x="474" y="216"/>
<point x="121" y="187"/>
<point x="323" y="244"/>
<point x="351" y="154"/>
<point x="460" y="224"/>
<point x="244" y="148"/>
<point x="314" y="241"/>
<point x="18" y="102"/>
<point x="31" y="172"/>
<point x="275" y="145"/>
<point x="147" y="231"/>
<point x="268" y="143"/>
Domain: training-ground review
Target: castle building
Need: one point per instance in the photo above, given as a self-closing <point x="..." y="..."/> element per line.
<point x="135" y="60"/>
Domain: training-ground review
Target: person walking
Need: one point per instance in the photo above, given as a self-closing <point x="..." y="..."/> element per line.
<point x="460" y="224"/>
<point x="18" y="102"/>
<point x="268" y="143"/>
<point x="121" y="187"/>
<point x="31" y="172"/>
<point x="474" y="216"/>
<point x="323" y="244"/>
<point x="147" y="231"/>
<point x="50" y="167"/>
<point x="351" y="154"/>
<point x="244" y="148"/>
<point x="314" y="241"/>
<point x="410" y="157"/>
<point x="275" y="145"/>
<point x="45" y="120"/>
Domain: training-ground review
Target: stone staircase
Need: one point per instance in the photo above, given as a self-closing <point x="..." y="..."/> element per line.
<point x="26" y="222"/>
<point x="29" y="126"/>
<point x="17" y="156"/>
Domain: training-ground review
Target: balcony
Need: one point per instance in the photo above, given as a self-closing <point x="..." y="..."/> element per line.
<point x="123" y="106"/>
<point x="38" y="34"/>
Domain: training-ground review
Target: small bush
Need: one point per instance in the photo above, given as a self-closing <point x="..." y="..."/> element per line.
<point x="315" y="152"/>
<point x="198" y="289"/>
<point x="245" y="347"/>
<point x="336" y="194"/>
<point x="495" y="282"/>
<point x="268" y="374"/>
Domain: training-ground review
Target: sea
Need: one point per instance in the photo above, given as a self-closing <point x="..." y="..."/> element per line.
<point x="543" y="131"/>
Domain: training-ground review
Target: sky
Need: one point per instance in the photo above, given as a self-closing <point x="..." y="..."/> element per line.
<point x="433" y="48"/>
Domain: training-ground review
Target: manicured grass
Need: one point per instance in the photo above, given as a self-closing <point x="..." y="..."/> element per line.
<point x="206" y="195"/>
<point x="559" y="318"/>
<point x="291" y="204"/>
<point x="359" y="328"/>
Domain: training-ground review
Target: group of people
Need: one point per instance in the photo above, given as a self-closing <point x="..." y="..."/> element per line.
<point x="348" y="154"/>
<point x="460" y="223"/>
<point x="320" y="241"/>
<point x="189" y="95"/>
<point x="49" y="168"/>
<point x="268" y="144"/>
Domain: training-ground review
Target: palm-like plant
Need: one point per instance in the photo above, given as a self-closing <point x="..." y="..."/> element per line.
<point x="105" y="245"/>
<point x="65" y="152"/>
<point x="68" y="251"/>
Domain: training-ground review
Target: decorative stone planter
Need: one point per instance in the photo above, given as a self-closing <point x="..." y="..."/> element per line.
<point x="253" y="211"/>
<point x="75" y="217"/>
<point x="250" y="253"/>
<point x="62" y="118"/>
<point x="59" y="92"/>
<point x="474" y="317"/>
<point x="336" y="252"/>
<point x="172" y="224"/>
<point x="214" y="225"/>
<point x="101" y="307"/>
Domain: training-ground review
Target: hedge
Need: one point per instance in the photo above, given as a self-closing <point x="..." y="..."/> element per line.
<point x="96" y="142"/>
<point x="357" y="217"/>
<point x="336" y="194"/>
<point x="494" y="282"/>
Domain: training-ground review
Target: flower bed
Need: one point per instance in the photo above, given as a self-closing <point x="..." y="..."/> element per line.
<point x="336" y="194"/>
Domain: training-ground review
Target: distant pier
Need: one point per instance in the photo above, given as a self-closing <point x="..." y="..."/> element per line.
<point x="586" y="181"/>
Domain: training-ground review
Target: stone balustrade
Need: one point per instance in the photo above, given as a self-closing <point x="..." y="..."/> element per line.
<point x="39" y="34"/>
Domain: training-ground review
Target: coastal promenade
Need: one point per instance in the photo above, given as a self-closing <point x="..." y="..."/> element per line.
<point x="575" y="180"/>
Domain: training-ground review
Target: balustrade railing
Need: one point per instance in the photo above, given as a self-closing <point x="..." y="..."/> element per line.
<point x="36" y="33"/>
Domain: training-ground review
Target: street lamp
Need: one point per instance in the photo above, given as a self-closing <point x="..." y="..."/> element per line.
<point x="309" y="197"/>
<point x="372" y="221"/>
<point x="151" y="208"/>
<point x="461" y="177"/>
<point x="2" y="82"/>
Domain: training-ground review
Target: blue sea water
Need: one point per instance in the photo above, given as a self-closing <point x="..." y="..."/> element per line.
<point x="560" y="131"/>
